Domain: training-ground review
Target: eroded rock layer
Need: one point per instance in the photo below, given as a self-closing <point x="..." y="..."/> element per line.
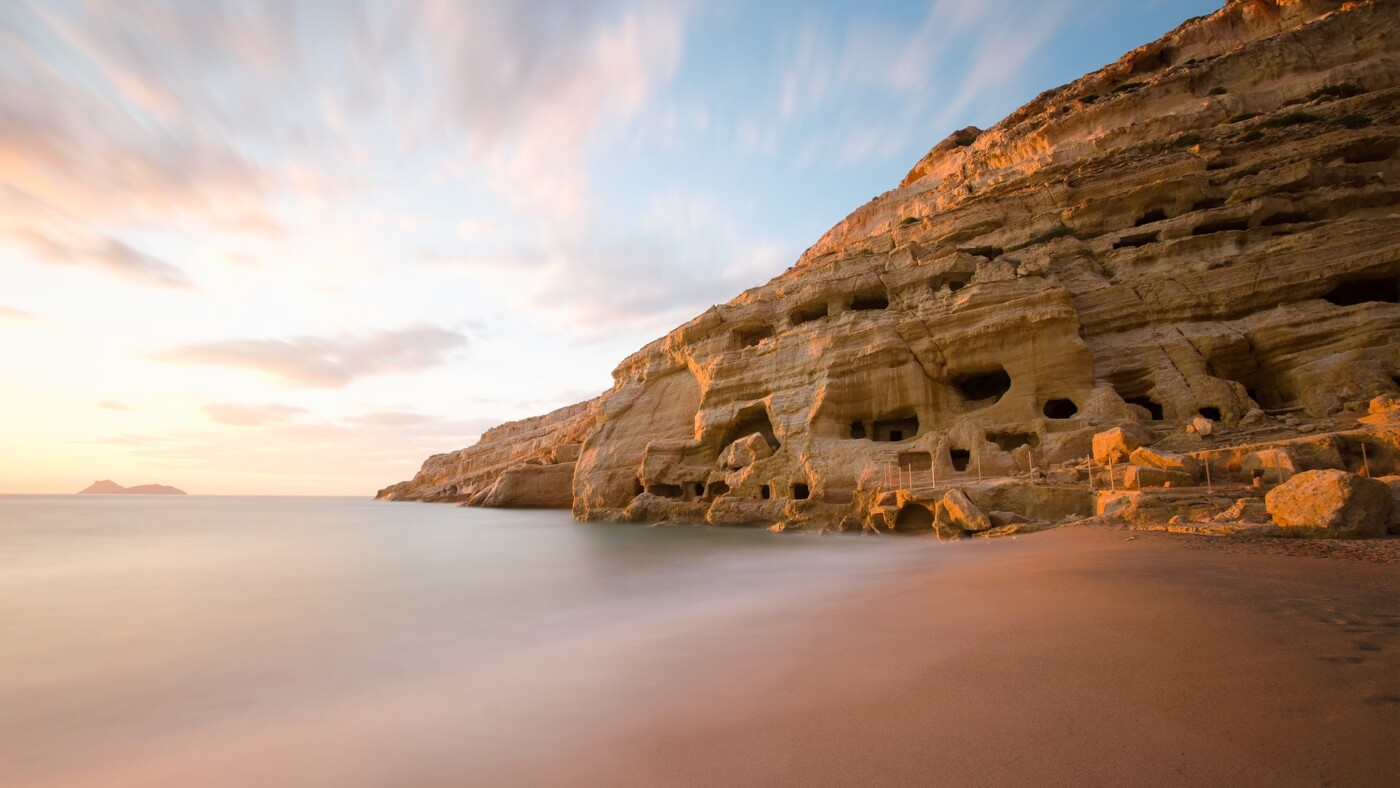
<point x="1203" y="234"/>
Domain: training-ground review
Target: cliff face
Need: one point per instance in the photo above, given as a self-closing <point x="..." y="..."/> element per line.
<point x="521" y="463"/>
<point x="1205" y="229"/>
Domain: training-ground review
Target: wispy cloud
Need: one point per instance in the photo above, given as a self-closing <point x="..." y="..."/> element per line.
<point x="239" y="415"/>
<point x="878" y="87"/>
<point x="111" y="404"/>
<point x="104" y="252"/>
<point x="328" y="362"/>
<point x="11" y="313"/>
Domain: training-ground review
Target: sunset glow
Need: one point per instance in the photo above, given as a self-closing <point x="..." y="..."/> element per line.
<point x="296" y="248"/>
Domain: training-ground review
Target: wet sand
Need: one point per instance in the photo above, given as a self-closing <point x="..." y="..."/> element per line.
<point x="1077" y="657"/>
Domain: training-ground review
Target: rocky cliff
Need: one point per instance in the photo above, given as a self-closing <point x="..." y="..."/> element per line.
<point x="1199" y="243"/>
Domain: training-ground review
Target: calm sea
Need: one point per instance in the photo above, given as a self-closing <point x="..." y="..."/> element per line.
<point x="337" y="641"/>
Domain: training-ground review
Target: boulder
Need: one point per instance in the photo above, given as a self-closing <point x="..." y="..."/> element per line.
<point x="1385" y="403"/>
<point x="1331" y="503"/>
<point x="957" y="510"/>
<point x="745" y="452"/>
<point x="1144" y="457"/>
<point x="1117" y="444"/>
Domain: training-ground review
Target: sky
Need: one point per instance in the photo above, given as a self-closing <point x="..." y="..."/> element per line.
<point x="297" y="247"/>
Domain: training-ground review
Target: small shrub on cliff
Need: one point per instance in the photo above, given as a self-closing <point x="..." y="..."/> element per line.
<point x="1088" y="98"/>
<point x="1187" y="140"/>
<point x="908" y="220"/>
<point x="1128" y="87"/>
<point x="1291" y="119"/>
<point x="1252" y="136"/>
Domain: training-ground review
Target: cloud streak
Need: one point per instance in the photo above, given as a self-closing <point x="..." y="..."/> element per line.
<point x="105" y="252"/>
<point x="238" y="415"/>
<point x="11" y="313"/>
<point x="326" y="362"/>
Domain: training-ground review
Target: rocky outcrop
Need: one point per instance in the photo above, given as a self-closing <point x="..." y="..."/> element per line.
<point x="1331" y="503"/>
<point x="1196" y="245"/>
<point x="527" y="463"/>
<point x="109" y="487"/>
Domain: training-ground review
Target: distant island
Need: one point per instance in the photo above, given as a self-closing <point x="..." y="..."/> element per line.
<point x="109" y="487"/>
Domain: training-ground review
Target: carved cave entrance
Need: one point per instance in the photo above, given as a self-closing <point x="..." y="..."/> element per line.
<point x="983" y="388"/>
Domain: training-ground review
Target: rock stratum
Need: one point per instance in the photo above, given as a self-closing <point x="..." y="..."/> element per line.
<point x="109" y="487"/>
<point x="1154" y="294"/>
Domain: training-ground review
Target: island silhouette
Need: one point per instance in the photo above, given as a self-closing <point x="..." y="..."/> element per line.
<point x="109" y="487"/>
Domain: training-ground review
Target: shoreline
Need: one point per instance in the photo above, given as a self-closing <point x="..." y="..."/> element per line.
<point x="1078" y="656"/>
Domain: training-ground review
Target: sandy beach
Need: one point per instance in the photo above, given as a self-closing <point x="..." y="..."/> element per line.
<point x="1078" y="657"/>
<point x="1085" y="656"/>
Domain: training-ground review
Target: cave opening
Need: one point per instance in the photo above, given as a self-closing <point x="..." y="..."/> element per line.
<point x="953" y="280"/>
<point x="896" y="429"/>
<point x="1060" y="409"/>
<point x="979" y="386"/>
<point x="959" y="458"/>
<point x="1385" y="290"/>
<point x="666" y="490"/>
<point x="808" y="313"/>
<point x="1211" y="413"/>
<point x="1208" y="204"/>
<point x="1222" y="226"/>
<point x="765" y="492"/>
<point x="1370" y="152"/>
<point x="1152" y="406"/>
<point x="637" y="487"/>
<point x="870" y="301"/>
<point x="1154" y="215"/>
<point x="1286" y="217"/>
<point x="750" y="420"/>
<point x="748" y="337"/>
<point x="857" y="430"/>
<point x="1259" y="383"/>
<point x="716" y="489"/>
<point x="699" y="489"/>
<point x="801" y="492"/>
<point x="1135" y="241"/>
<point x="1011" y="441"/>
<point x="987" y="252"/>
<point x="913" y="517"/>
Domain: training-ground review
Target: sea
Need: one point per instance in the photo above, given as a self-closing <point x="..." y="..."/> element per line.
<point x="267" y="641"/>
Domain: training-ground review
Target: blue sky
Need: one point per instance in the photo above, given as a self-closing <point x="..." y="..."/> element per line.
<point x="295" y="247"/>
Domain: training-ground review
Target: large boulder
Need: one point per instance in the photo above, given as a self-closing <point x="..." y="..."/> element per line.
<point x="1117" y="444"/>
<point x="1331" y="503"/>
<point x="959" y="511"/>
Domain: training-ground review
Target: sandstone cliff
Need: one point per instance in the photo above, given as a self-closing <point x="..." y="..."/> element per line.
<point x="522" y="463"/>
<point x="1199" y="241"/>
